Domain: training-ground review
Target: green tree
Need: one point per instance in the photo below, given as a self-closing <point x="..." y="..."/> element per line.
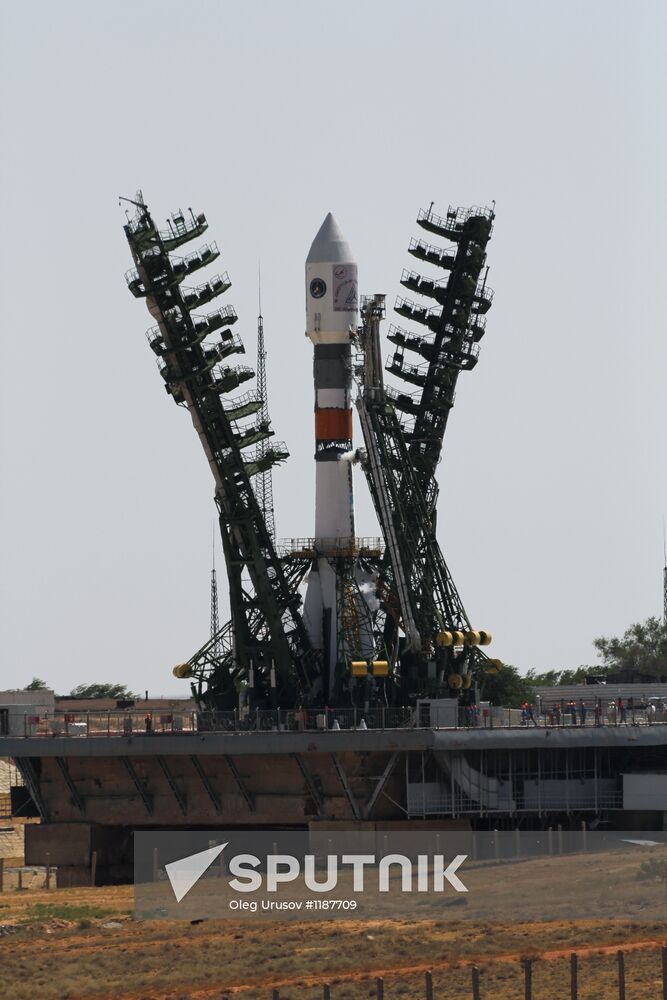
<point x="37" y="684"/>
<point x="550" y="678"/>
<point x="117" y="691"/>
<point x="506" y="687"/>
<point x="642" y="649"/>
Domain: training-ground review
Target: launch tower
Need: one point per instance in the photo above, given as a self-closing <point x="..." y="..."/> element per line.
<point x="269" y="655"/>
<point x="332" y="618"/>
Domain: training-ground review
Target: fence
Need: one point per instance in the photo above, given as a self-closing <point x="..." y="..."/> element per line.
<point x="570" y="987"/>
<point x="128" y="722"/>
<point x="598" y="712"/>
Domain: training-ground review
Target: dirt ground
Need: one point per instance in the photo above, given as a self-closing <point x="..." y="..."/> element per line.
<point x="82" y="944"/>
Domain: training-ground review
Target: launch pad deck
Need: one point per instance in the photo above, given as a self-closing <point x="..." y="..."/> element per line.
<point x="93" y="792"/>
<point x="344" y="740"/>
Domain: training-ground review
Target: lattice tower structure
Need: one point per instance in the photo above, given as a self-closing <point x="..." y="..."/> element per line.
<point x="266" y="628"/>
<point x="440" y="648"/>
<point x="454" y="328"/>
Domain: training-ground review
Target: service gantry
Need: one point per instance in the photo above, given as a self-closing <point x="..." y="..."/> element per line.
<point x="267" y="656"/>
<point x="432" y="644"/>
<point x="414" y="621"/>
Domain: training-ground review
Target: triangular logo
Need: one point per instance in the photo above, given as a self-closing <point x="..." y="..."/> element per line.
<point x="184" y="873"/>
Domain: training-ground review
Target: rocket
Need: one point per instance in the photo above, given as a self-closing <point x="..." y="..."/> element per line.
<point x="331" y="317"/>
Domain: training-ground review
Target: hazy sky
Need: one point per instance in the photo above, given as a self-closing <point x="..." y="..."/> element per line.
<point x="266" y="116"/>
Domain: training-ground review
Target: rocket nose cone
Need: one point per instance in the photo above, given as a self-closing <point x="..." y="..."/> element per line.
<point x="329" y="246"/>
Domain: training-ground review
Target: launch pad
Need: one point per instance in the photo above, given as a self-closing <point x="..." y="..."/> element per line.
<point x="373" y="626"/>
<point x="94" y="792"/>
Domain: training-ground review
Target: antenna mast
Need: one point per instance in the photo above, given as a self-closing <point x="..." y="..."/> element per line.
<point x="263" y="480"/>
<point x="216" y="649"/>
<point x="664" y="574"/>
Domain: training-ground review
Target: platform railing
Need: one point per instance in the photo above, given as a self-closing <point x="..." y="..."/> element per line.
<point x="127" y="723"/>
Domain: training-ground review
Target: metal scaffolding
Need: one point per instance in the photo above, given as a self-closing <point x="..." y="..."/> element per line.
<point x="269" y="659"/>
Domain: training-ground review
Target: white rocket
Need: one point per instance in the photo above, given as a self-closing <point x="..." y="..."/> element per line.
<point x="331" y="312"/>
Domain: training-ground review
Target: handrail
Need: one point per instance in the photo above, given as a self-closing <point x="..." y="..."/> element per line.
<point x="328" y="547"/>
<point x="430" y="250"/>
<point x="125" y="722"/>
<point x="455" y="216"/>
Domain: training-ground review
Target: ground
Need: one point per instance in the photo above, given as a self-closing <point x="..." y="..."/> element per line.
<point x="82" y="944"/>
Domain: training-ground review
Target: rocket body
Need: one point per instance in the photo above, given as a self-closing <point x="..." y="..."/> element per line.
<point x="331" y="311"/>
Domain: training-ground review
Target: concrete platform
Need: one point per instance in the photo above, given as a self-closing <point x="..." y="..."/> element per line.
<point x="345" y="740"/>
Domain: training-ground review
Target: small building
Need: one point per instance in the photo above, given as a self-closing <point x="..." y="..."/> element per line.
<point x="21" y="711"/>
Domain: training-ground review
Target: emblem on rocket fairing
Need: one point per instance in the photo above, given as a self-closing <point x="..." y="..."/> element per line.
<point x="345" y="297"/>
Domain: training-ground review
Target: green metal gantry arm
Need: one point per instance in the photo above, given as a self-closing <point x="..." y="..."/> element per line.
<point x="270" y="648"/>
<point x="454" y="328"/>
<point x="415" y="583"/>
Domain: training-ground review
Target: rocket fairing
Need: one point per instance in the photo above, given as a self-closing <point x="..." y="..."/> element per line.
<point x="331" y="310"/>
<point x="331" y="313"/>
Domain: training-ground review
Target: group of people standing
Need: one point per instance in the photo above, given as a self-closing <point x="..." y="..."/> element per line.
<point x="616" y="711"/>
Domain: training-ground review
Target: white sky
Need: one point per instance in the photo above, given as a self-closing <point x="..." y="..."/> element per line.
<point x="266" y="116"/>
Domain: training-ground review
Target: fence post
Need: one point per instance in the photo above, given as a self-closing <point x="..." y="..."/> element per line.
<point x="560" y="838"/>
<point x="475" y="983"/>
<point x="527" y="978"/>
<point x="48" y="871"/>
<point x="379" y="988"/>
<point x="326" y="992"/>
<point x="20" y="885"/>
<point x="93" y="867"/>
<point x="621" y="975"/>
<point x="664" y="973"/>
<point x="584" y="839"/>
<point x="517" y="838"/>
<point x="275" y="994"/>
<point x="2" y="874"/>
<point x="428" y="982"/>
<point x="574" y="984"/>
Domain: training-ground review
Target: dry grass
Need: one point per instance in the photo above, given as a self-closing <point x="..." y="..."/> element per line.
<point x="64" y="949"/>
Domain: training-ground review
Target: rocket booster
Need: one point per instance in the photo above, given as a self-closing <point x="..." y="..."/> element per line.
<point x="331" y="310"/>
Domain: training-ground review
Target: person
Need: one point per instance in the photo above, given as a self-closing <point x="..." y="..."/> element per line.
<point x="557" y="713"/>
<point x="622" y="711"/>
<point x="148" y="722"/>
<point x="573" y="712"/>
<point x="650" y="713"/>
<point x="529" y="715"/>
<point x="582" y="711"/>
<point x="598" y="712"/>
